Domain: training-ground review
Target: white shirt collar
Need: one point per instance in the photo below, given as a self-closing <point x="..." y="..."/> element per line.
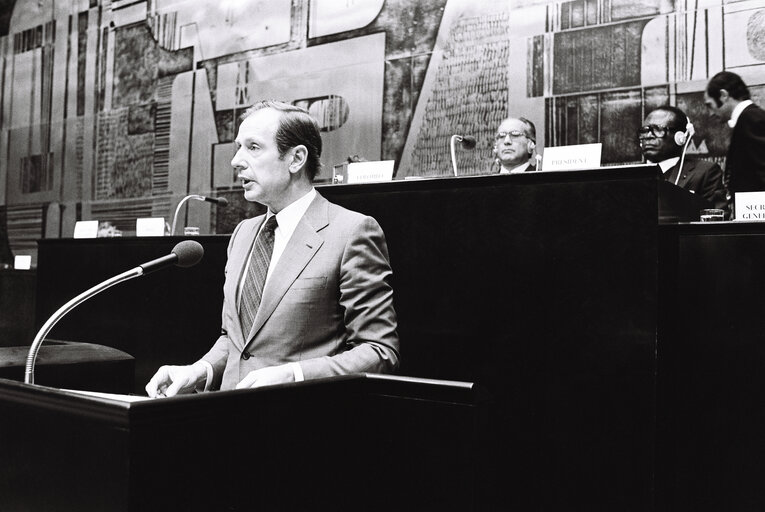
<point x="737" y="112"/>
<point x="667" y="164"/>
<point x="288" y="218"/>
<point x="515" y="170"/>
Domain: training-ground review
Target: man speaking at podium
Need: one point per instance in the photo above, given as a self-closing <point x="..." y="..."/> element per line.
<point x="663" y="139"/>
<point x="307" y="291"/>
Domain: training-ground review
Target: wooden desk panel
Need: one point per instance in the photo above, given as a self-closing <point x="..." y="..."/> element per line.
<point x="17" y="307"/>
<point x="711" y="389"/>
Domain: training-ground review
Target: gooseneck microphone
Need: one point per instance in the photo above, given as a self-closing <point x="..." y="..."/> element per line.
<point x="467" y="141"/>
<point x="185" y="254"/>
<point x="220" y="201"/>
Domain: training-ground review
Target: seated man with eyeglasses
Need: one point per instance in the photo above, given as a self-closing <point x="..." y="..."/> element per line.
<point x="514" y="145"/>
<point x="664" y="139"/>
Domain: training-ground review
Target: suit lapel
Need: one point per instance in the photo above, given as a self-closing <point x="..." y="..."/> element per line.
<point x="301" y="248"/>
<point x="685" y="172"/>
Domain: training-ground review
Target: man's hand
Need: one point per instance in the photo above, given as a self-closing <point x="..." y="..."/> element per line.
<point x="267" y="376"/>
<point x="172" y="380"/>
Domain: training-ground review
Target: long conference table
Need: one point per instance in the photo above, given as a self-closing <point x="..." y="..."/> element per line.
<point x="619" y="351"/>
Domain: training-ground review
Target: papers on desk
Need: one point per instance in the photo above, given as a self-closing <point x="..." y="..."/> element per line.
<point x="85" y="229"/>
<point x="150" y="226"/>
<point x="109" y="396"/>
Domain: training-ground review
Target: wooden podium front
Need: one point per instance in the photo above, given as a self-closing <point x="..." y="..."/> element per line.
<point x="362" y="442"/>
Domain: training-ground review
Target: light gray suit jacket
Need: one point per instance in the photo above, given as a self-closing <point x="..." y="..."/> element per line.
<point x="328" y="303"/>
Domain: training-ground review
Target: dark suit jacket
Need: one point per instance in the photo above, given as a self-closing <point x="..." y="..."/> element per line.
<point x="745" y="165"/>
<point x="328" y="303"/>
<point x="702" y="178"/>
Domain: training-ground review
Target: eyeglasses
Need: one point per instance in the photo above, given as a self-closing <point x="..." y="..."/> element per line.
<point x="514" y="134"/>
<point x="652" y="131"/>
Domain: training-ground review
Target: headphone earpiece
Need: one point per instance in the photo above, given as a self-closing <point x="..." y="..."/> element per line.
<point x="530" y="146"/>
<point x="682" y="137"/>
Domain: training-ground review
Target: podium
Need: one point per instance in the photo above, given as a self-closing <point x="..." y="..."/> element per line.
<point x="360" y="442"/>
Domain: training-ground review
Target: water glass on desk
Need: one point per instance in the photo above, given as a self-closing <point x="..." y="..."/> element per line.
<point x="712" y="215"/>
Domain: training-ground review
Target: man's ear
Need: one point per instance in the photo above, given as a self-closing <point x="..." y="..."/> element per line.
<point x="724" y="95"/>
<point x="299" y="158"/>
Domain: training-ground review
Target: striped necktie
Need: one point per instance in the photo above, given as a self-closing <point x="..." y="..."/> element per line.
<point x="252" y="291"/>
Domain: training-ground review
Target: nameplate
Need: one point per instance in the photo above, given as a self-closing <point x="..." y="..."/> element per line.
<point x="150" y="226"/>
<point x="572" y="158"/>
<point x="85" y="229"/>
<point x="370" y="172"/>
<point x="750" y="206"/>
<point x="22" y="262"/>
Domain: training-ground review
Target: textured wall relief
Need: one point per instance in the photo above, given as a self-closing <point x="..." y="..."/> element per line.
<point x="139" y="62"/>
<point x="113" y="110"/>
<point x="755" y="35"/>
<point x="124" y="159"/>
<point x="467" y="96"/>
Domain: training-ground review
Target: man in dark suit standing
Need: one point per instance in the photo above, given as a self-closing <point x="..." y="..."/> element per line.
<point x="727" y="98"/>
<point x="663" y="139"/>
<point x="307" y="290"/>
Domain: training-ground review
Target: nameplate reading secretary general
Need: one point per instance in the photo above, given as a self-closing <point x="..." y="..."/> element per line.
<point x="321" y="304"/>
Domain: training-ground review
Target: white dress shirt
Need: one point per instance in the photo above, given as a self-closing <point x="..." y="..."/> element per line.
<point x="667" y="164"/>
<point x="737" y="112"/>
<point x="515" y="170"/>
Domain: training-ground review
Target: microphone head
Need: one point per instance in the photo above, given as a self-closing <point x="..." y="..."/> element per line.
<point x="189" y="253"/>
<point x="468" y="141"/>
<point x="220" y="201"/>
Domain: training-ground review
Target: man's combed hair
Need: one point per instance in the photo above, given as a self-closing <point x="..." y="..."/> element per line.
<point x="731" y="82"/>
<point x="296" y="127"/>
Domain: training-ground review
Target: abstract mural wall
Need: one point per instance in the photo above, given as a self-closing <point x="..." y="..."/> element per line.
<point x="117" y="109"/>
